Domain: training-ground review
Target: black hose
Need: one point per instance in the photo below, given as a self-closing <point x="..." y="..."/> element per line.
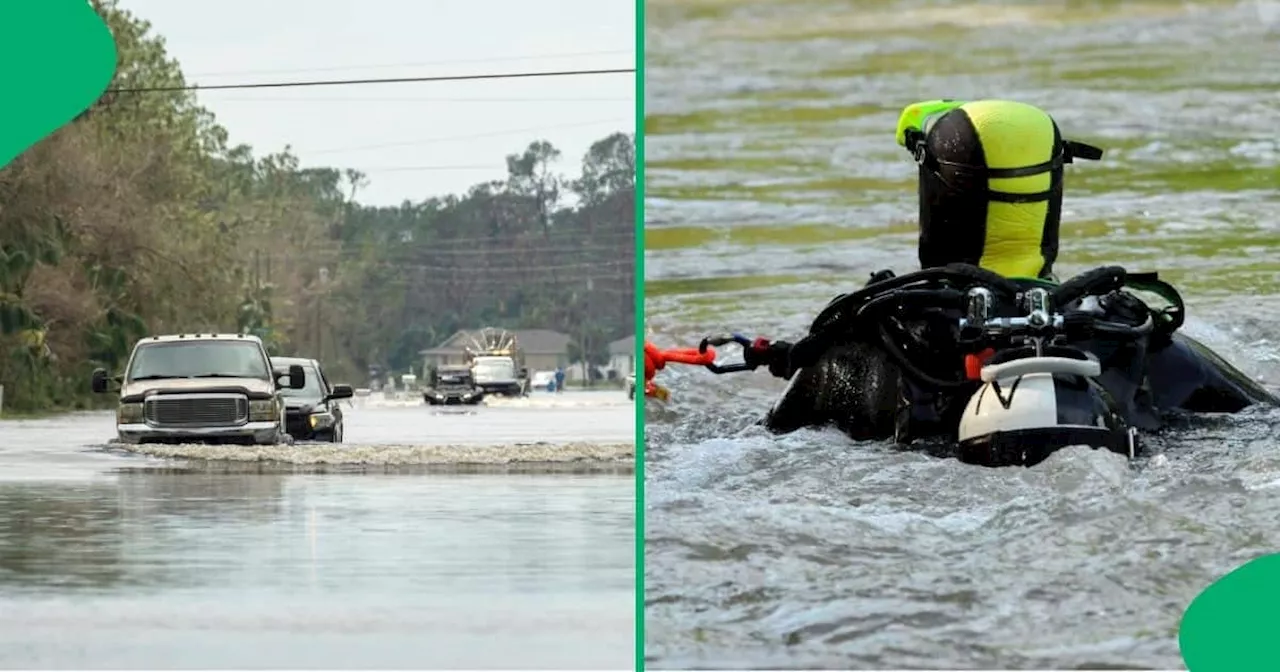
<point x="1099" y="281"/>
<point x="967" y="274"/>
<point x="913" y="298"/>
<point x="909" y="368"/>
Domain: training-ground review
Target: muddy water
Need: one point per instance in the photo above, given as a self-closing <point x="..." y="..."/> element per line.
<point x="498" y="537"/>
<point x="773" y="183"/>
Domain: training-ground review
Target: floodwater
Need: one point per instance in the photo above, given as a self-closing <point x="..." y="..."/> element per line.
<point x="773" y="183"/>
<point x="493" y="537"/>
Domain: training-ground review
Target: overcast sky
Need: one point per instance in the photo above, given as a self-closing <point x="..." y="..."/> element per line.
<point x="413" y="140"/>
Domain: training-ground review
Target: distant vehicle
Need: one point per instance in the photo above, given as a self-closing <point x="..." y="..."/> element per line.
<point x="543" y="380"/>
<point x="452" y="385"/>
<point x="200" y="388"/>
<point x="312" y="412"/>
<point x="497" y="363"/>
<point x="631" y="386"/>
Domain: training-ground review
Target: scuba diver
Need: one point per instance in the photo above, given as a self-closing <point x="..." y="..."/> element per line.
<point x="902" y="358"/>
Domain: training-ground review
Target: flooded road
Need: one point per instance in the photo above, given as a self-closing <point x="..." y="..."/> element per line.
<point x="497" y="537"/>
<point x="773" y="183"/>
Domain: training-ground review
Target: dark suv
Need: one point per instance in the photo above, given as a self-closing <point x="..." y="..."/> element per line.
<point x="451" y="385"/>
<point x="312" y="412"/>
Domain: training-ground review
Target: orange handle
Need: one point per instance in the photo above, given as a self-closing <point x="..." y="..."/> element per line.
<point x="656" y="360"/>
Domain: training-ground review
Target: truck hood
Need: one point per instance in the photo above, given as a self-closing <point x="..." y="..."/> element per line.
<point x="149" y="387"/>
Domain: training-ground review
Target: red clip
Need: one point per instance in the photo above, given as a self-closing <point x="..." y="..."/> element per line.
<point x="973" y="363"/>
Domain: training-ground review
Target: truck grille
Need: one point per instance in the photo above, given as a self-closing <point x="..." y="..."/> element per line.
<point x="196" y="410"/>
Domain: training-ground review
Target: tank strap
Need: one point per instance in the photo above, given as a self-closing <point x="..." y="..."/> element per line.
<point x="1071" y="150"/>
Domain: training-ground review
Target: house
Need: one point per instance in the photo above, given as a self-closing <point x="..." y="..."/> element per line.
<point x="622" y="355"/>
<point x="544" y="350"/>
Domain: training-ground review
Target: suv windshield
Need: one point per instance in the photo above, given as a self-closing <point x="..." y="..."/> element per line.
<point x="453" y="378"/>
<point x="311" y="391"/>
<point x="195" y="359"/>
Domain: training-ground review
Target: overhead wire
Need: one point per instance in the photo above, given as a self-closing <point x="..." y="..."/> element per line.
<point x="594" y="241"/>
<point x="381" y="80"/>
<point x="469" y="136"/>
<point x="496" y="59"/>
<point x="363" y="99"/>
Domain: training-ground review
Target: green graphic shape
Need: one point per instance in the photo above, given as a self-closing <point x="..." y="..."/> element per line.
<point x="56" y="59"/>
<point x="1231" y="626"/>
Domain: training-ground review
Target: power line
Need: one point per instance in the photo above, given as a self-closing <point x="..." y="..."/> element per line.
<point x="425" y="250"/>
<point x="603" y="244"/>
<point x="450" y="138"/>
<point x="425" y="100"/>
<point x="339" y="68"/>
<point x="387" y="80"/>
<point x="424" y="169"/>
<point x="413" y="252"/>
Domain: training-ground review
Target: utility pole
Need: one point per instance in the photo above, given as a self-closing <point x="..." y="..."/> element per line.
<point x="321" y="293"/>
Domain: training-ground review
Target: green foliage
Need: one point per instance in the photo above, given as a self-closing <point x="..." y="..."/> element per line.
<point x="140" y="218"/>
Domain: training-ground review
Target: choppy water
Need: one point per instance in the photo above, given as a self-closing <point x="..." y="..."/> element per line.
<point x="498" y="537"/>
<point x="773" y="183"/>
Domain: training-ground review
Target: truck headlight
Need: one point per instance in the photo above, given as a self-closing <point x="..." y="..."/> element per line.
<point x="129" y="414"/>
<point x="262" y="410"/>
<point x="320" y="420"/>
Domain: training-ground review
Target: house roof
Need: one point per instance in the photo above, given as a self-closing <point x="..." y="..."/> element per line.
<point x="623" y="346"/>
<point x="532" y="341"/>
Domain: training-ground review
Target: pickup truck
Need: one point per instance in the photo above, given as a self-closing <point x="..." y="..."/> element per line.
<point x="200" y="388"/>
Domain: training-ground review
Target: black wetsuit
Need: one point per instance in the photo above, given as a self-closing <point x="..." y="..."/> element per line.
<point x="856" y="386"/>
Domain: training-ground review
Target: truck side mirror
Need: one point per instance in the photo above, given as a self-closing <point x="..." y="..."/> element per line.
<point x="341" y="392"/>
<point x="99" y="383"/>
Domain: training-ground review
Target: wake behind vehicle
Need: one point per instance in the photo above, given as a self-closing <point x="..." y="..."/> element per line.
<point x="200" y="388"/>
<point x="312" y="412"/>
<point x="453" y="385"/>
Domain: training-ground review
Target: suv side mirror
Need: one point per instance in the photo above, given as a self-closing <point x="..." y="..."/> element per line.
<point x="297" y="377"/>
<point x="99" y="384"/>
<point x="341" y="392"/>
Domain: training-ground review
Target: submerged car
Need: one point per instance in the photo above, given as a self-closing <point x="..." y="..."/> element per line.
<point x="453" y="385"/>
<point x="200" y="388"/>
<point x="312" y="412"/>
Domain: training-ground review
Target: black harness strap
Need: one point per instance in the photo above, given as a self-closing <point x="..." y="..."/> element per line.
<point x="1071" y="150"/>
<point x="1170" y="318"/>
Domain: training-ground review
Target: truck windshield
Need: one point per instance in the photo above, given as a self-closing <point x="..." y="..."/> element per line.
<point x="194" y="359"/>
<point x="492" y="370"/>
